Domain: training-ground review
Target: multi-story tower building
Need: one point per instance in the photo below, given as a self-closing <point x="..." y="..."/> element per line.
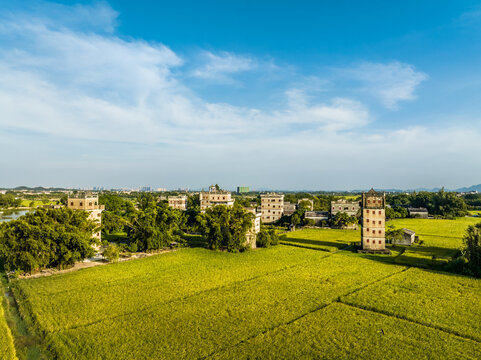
<point x="178" y="202"/>
<point x="251" y="235"/>
<point x="373" y="221"/>
<point x="90" y="203"/>
<point x="215" y="197"/>
<point x="272" y="207"/>
<point x="342" y="205"/>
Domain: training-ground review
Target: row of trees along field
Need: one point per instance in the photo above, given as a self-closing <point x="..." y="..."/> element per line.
<point x="46" y="238"/>
<point x="9" y="201"/>
<point x="441" y="203"/>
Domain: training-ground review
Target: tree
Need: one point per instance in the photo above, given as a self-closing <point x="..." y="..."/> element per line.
<point x="267" y="237"/>
<point x="46" y="238"/>
<point x="343" y="219"/>
<point x="155" y="226"/>
<point x="394" y="234"/>
<point x="225" y="228"/>
<point x="472" y="250"/>
<point x="295" y="220"/>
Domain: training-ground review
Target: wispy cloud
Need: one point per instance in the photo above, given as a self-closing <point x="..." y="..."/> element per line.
<point x="220" y="66"/>
<point x="91" y="100"/>
<point x="391" y="83"/>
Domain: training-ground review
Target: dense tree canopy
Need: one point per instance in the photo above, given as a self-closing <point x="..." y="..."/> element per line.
<point x="46" y="238"/>
<point x="441" y="203"/>
<point x="154" y="226"/>
<point x="9" y="200"/>
<point x="342" y="219"/>
<point x="225" y="228"/>
<point x="472" y="251"/>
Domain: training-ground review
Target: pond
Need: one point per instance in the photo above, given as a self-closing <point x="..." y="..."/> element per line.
<point x="7" y="215"/>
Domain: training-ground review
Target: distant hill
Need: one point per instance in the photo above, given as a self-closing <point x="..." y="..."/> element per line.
<point x="471" y="188"/>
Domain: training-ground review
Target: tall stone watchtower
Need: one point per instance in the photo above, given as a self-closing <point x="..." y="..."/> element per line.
<point x="373" y="236"/>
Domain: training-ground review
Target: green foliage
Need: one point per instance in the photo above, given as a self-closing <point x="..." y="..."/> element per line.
<point x="46" y="238"/>
<point x="154" y="226"/>
<point x="396" y="212"/>
<point x="9" y="200"/>
<point x="112" y="252"/>
<point x="225" y="228"/>
<point x="342" y="219"/>
<point x="267" y="237"/>
<point x="295" y="219"/>
<point x="394" y="234"/>
<point x="442" y="203"/>
<point x="472" y="250"/>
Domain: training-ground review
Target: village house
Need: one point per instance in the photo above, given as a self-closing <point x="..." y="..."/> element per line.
<point x="407" y="238"/>
<point x="272" y="207"/>
<point x="178" y="202"/>
<point x="289" y="208"/>
<point x="317" y="216"/>
<point x="421" y="213"/>
<point x="89" y="203"/>
<point x="215" y="197"/>
<point x="342" y="205"/>
<point x="373" y="222"/>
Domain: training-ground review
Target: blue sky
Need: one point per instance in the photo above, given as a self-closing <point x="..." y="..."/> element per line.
<point x="269" y="94"/>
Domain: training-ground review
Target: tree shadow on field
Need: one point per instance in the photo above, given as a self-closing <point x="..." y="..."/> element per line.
<point x="426" y="257"/>
<point x="296" y="241"/>
<point x="194" y="240"/>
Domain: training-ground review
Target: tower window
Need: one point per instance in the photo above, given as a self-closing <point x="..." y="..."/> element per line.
<point x="379" y="242"/>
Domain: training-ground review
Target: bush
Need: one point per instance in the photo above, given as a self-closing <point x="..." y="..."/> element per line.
<point x="112" y="253"/>
<point x="267" y="237"/>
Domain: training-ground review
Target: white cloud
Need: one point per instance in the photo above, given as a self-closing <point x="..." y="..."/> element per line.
<point x="219" y="67"/>
<point x="79" y="101"/>
<point x="390" y="83"/>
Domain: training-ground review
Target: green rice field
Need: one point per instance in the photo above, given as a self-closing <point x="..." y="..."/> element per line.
<point x="7" y="349"/>
<point x="310" y="297"/>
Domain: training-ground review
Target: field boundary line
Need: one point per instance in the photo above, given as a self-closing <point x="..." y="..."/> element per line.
<point x="321" y="307"/>
<point x="148" y="309"/>
<point x="422" y="323"/>
<point x="372" y="283"/>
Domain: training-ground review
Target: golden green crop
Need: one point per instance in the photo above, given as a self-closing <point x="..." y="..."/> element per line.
<point x="7" y="350"/>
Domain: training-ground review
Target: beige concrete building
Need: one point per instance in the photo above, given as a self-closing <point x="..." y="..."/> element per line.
<point x="272" y="207"/>
<point x="373" y="221"/>
<point x="289" y="208"/>
<point x="215" y="197"/>
<point x="90" y="203"/>
<point x="251" y="236"/>
<point x="178" y="202"/>
<point x="342" y="205"/>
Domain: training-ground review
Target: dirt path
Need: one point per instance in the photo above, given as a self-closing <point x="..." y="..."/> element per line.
<point x="97" y="261"/>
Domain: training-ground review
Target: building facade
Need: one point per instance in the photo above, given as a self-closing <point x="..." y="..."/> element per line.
<point x="373" y="236"/>
<point x="178" y="202"/>
<point x="317" y="216"/>
<point x="251" y="235"/>
<point x="421" y="213"/>
<point x="272" y="207"/>
<point x="215" y="197"/>
<point x="89" y="203"/>
<point x="342" y="205"/>
<point x="289" y="208"/>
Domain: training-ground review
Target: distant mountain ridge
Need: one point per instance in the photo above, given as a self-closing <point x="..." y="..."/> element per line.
<point x="463" y="189"/>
